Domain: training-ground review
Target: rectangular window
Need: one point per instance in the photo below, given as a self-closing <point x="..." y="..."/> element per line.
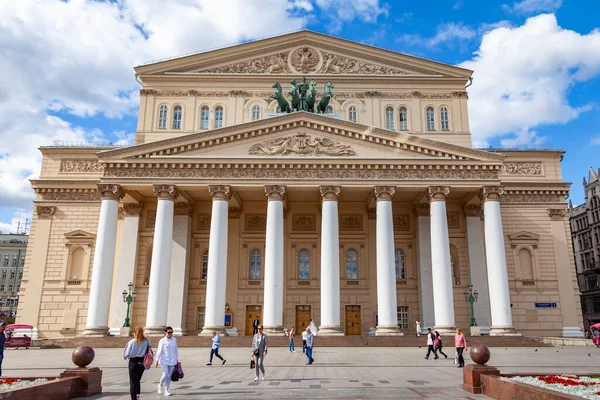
<point x="591" y="282"/>
<point x="403" y="317"/>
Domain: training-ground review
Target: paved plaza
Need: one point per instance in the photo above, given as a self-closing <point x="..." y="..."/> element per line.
<point x="338" y="373"/>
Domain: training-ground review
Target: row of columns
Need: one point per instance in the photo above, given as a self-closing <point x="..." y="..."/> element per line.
<point x="441" y="273"/>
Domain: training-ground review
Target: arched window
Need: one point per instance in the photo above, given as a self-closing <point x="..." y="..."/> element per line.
<point x="351" y="264"/>
<point x="389" y="118"/>
<point x="162" y="117"/>
<point x="255" y="264"/>
<point x="526" y="265"/>
<point x="204" y="272"/>
<point x="403" y="119"/>
<point x="177" y="111"/>
<point x="352" y="114"/>
<point x="430" y="119"/>
<point x="328" y="110"/>
<point x="204" y="116"/>
<point x="255" y="113"/>
<point x="400" y="265"/>
<point x="303" y="265"/>
<point x="218" y="117"/>
<point x="444" y="119"/>
<point x="76" y="270"/>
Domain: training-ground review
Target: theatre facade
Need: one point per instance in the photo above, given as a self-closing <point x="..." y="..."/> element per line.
<point x="301" y="177"/>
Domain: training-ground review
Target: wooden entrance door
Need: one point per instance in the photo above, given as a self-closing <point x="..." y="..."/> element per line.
<point x="352" y="320"/>
<point x="303" y="318"/>
<point x="251" y="313"/>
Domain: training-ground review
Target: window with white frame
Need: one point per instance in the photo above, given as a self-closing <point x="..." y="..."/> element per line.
<point x="444" y="119"/>
<point x="177" y="112"/>
<point x="352" y="114"/>
<point x="162" y="116"/>
<point x="402" y="317"/>
<point x="204" y="116"/>
<point x="389" y="118"/>
<point x="204" y="272"/>
<point x="303" y="265"/>
<point x="430" y="119"/>
<point x="219" y="117"/>
<point x="328" y="110"/>
<point x="351" y="264"/>
<point x="255" y="264"/>
<point x="403" y="119"/>
<point x="400" y="262"/>
<point x="255" y="113"/>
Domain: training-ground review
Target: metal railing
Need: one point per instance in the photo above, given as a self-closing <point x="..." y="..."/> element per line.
<point x="62" y="143"/>
<point x="518" y="147"/>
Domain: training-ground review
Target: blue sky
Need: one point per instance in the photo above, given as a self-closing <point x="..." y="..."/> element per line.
<point x="67" y="66"/>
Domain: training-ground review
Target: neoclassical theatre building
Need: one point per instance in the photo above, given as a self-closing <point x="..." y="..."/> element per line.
<point x="301" y="177"/>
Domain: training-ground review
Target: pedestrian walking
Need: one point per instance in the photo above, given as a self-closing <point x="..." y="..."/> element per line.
<point x="418" y="322"/>
<point x="4" y="337"/>
<point x="310" y="341"/>
<point x="135" y="351"/>
<point x="291" y="337"/>
<point x="260" y="344"/>
<point x="167" y="355"/>
<point x="461" y="345"/>
<point x="437" y="343"/>
<point x="304" y="333"/>
<point x="216" y="345"/>
<point x="430" y="348"/>
<point x="255" y="325"/>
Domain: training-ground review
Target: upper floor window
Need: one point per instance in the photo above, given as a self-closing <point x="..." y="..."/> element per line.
<point x="303" y="265"/>
<point x="12" y="274"/>
<point x="430" y="119"/>
<point x="351" y="264"/>
<point x="328" y="110"/>
<point x="403" y="119"/>
<point x="5" y="260"/>
<point x="400" y="264"/>
<point x="204" y="272"/>
<point x="218" y="117"/>
<point x="255" y="113"/>
<point x="255" y="264"/>
<point x="389" y="118"/>
<point x="14" y="261"/>
<point x="204" y="115"/>
<point x="352" y="114"/>
<point x="177" y="111"/>
<point x="162" y="117"/>
<point x="444" y="119"/>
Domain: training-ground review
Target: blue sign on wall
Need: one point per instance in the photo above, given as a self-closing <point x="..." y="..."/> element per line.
<point x="545" y="305"/>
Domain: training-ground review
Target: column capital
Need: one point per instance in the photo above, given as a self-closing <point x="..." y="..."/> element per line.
<point x="184" y="209"/>
<point x="166" y="192"/>
<point x="422" y="210"/>
<point x="329" y="193"/>
<point x="384" y="193"/>
<point x="220" y="192"/>
<point x="45" y="212"/>
<point x="132" y="209"/>
<point x="472" y="210"/>
<point x="108" y="191"/>
<point x="557" y="214"/>
<point x="275" y="192"/>
<point x="438" y="193"/>
<point x="491" y="193"/>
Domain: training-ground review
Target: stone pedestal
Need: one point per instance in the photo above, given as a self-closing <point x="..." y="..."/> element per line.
<point x="472" y="377"/>
<point x="90" y="378"/>
<point x="475" y="331"/>
<point x="125" y="331"/>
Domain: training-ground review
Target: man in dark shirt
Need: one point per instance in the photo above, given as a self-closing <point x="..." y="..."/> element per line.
<point x="3" y="338"/>
<point x="255" y="325"/>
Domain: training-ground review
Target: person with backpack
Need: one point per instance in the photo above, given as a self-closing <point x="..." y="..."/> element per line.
<point x="135" y="351"/>
<point x="437" y="343"/>
<point x="430" y="348"/>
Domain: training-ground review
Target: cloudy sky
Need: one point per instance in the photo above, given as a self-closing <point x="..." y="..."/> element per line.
<point x="66" y="67"/>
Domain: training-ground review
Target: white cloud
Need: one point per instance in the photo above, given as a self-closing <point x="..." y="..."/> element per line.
<point x="595" y="140"/>
<point x="19" y="222"/>
<point x="341" y="11"/>
<point x="528" y="7"/>
<point x="446" y="33"/>
<point x="523" y="76"/>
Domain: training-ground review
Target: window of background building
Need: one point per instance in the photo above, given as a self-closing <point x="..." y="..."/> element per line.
<point x="177" y="113"/>
<point x="219" y="117"/>
<point x="303" y="264"/>
<point x="255" y="264"/>
<point x="204" y="265"/>
<point x="402" y="317"/>
<point x="351" y="264"/>
<point x="403" y="119"/>
<point x="389" y="118"/>
<point x="256" y="113"/>
<point x="162" y="117"/>
<point x="400" y="267"/>
<point x="444" y="124"/>
<point x="204" y="116"/>
<point x="352" y="114"/>
<point x="430" y="119"/>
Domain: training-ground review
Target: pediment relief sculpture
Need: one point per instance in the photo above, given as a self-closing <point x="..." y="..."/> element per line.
<point x="336" y="64"/>
<point x="302" y="144"/>
<point x="272" y="64"/>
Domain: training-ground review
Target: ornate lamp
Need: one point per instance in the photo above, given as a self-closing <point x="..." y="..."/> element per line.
<point x="226" y="307"/>
<point x="128" y="297"/>
<point x="471" y="297"/>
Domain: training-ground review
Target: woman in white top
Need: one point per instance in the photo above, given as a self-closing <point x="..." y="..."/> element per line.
<point x="418" y="327"/>
<point x="167" y="356"/>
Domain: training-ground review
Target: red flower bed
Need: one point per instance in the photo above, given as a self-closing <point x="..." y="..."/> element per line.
<point x="565" y="380"/>
<point x="8" y="381"/>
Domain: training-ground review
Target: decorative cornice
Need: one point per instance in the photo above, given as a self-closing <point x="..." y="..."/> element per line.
<point x="438" y="193"/>
<point x="422" y="210"/>
<point x="329" y="193"/>
<point x="132" y="209"/>
<point x="87" y="195"/>
<point x="81" y="166"/>
<point x="557" y="214"/>
<point x="275" y="192"/>
<point x="45" y="212"/>
<point x="220" y="192"/>
<point x="384" y="193"/>
<point x="534" y="196"/>
<point x="166" y="192"/>
<point x="184" y="209"/>
<point x="472" y="210"/>
<point x="110" y="191"/>
<point x="492" y="193"/>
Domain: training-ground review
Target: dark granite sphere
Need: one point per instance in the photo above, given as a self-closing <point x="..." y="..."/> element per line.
<point x="480" y="354"/>
<point x="83" y="356"/>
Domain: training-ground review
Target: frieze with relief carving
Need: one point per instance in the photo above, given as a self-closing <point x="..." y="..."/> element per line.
<point x="45" y="212"/>
<point x="336" y="64"/>
<point x="81" y="166"/>
<point x="533" y="198"/>
<point x="453" y="219"/>
<point x="302" y="144"/>
<point x="521" y="168"/>
<point x="71" y="196"/>
<point x="402" y="223"/>
<point x="272" y="64"/>
<point x="304" y="222"/>
<point x="256" y="222"/>
<point x="203" y="222"/>
<point x="305" y="60"/>
<point x="150" y="219"/>
<point x="351" y="222"/>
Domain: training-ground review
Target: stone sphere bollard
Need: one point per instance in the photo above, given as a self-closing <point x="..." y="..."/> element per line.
<point x="480" y="354"/>
<point x="83" y="356"/>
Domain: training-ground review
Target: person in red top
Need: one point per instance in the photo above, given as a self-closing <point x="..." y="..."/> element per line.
<point x="461" y="345"/>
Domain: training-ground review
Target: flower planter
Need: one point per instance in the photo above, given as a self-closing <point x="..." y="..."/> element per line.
<point x="505" y="387"/>
<point x="54" y="388"/>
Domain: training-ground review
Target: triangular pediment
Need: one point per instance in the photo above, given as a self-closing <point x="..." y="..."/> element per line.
<point x="524" y="237"/>
<point x="303" y="53"/>
<point x="79" y="234"/>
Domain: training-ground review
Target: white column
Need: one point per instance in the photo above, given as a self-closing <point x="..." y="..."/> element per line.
<point x="386" y="267"/>
<point x="180" y="265"/>
<point x="160" y="267"/>
<point x="330" y="263"/>
<point x="216" y="279"/>
<point x="104" y="261"/>
<point x="126" y="263"/>
<point x="425" y="282"/>
<point x="441" y="268"/>
<point x="477" y="266"/>
<point x="496" y="263"/>
<point x="273" y="299"/>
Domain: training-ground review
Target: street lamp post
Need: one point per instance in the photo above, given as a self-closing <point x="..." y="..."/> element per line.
<point x="471" y="297"/>
<point x="128" y="297"/>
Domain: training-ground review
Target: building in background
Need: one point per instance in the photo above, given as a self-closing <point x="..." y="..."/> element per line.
<point x="585" y="233"/>
<point x="12" y="260"/>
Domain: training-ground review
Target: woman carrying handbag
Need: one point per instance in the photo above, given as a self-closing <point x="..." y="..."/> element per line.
<point x="167" y="356"/>
<point x="136" y="351"/>
<point x="260" y="345"/>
